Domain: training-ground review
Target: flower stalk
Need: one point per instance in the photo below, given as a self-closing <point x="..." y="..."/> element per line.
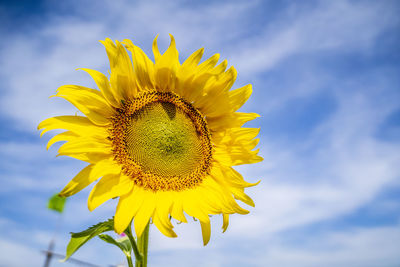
<point x="143" y="244"/>
<point x="129" y="259"/>
<point x="138" y="255"/>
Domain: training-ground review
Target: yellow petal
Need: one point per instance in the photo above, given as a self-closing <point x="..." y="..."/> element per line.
<point x="161" y="214"/>
<point x="145" y="212"/>
<point x="107" y="166"/>
<point x="213" y="198"/>
<point x="90" y="157"/>
<point x="108" y="187"/>
<point x="185" y="73"/>
<point x="222" y="195"/>
<point x="205" y="230"/>
<point x="192" y="207"/>
<point x="194" y="89"/>
<point x="218" y="177"/>
<point x="89" y="101"/>
<point x="220" y="68"/>
<point x="208" y="64"/>
<point x="127" y="207"/>
<point x="233" y="135"/>
<point x="122" y="78"/>
<point x="103" y="84"/>
<point x="77" y="124"/>
<point x="65" y="136"/>
<point x="245" y="133"/>
<point x="224" y="81"/>
<point x="240" y="195"/>
<point x="242" y="137"/>
<point x="235" y="146"/>
<point x="194" y="59"/>
<point x="216" y="101"/>
<point x="88" y="175"/>
<point x="225" y="219"/>
<point x="84" y="145"/>
<point x="230" y="120"/>
<point x="209" y="201"/>
<point x="239" y="96"/>
<point x="143" y="67"/>
<point x="222" y="157"/>
<point x="156" y="52"/>
<point x="234" y="178"/>
<point x="236" y="155"/>
<point x="165" y="68"/>
<point x="177" y="209"/>
<point x="79" y="182"/>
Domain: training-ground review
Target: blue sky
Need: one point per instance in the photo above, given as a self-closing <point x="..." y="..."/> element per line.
<point x="326" y="79"/>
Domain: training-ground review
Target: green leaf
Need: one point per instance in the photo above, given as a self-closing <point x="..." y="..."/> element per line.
<point x="56" y="203"/>
<point x="79" y="239"/>
<point x="122" y="243"/>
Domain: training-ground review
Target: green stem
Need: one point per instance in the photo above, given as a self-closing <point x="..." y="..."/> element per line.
<point x="128" y="232"/>
<point x="129" y="259"/>
<point x="143" y="244"/>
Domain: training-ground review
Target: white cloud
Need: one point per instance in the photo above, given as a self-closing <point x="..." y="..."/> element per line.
<point x="20" y="172"/>
<point x="356" y="247"/>
<point x="15" y="254"/>
<point x="330" y="27"/>
<point x="336" y="170"/>
<point x="375" y="246"/>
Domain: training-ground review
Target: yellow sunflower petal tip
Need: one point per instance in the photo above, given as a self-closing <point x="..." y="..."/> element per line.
<point x="156" y="52"/>
<point x="167" y="128"/>
<point x="172" y="40"/>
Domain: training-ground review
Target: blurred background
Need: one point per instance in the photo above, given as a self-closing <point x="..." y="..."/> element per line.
<point x="326" y="79"/>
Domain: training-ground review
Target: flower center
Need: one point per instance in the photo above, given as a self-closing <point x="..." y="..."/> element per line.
<point x="162" y="142"/>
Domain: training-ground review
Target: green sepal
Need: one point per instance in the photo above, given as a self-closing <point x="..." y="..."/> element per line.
<point x="79" y="239"/>
<point x="122" y="243"/>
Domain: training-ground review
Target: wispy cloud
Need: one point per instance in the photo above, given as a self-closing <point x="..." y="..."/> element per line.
<point x="328" y="27"/>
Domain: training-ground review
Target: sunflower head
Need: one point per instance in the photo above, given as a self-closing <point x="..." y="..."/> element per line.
<point x="161" y="136"/>
<point x="164" y="139"/>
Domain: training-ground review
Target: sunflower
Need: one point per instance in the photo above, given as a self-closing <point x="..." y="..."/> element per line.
<point x="162" y="137"/>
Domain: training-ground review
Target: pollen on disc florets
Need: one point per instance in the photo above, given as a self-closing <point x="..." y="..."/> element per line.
<point x="161" y="141"/>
